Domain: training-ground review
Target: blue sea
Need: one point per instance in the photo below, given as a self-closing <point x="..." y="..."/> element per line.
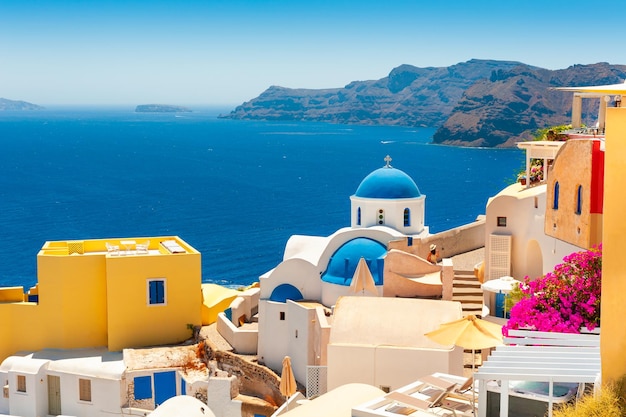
<point x="234" y="190"/>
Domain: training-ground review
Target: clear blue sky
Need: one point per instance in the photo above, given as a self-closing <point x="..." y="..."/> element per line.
<point x="225" y="52"/>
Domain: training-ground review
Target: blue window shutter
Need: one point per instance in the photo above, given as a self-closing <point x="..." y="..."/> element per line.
<point x="143" y="387"/>
<point x="152" y="285"/>
<point x="157" y="292"/>
<point x="160" y="292"/>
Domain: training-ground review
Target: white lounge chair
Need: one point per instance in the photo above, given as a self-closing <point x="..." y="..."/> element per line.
<point x="113" y="250"/>
<point x="142" y="247"/>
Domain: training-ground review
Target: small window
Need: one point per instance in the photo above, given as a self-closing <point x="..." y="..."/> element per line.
<point x="407" y="217"/>
<point x="555" y="202"/>
<point x="84" y="389"/>
<point x="358" y="216"/>
<point x="21" y="383"/>
<point x="282" y="315"/>
<point x="501" y="221"/>
<point x="579" y="199"/>
<point x="156" y="291"/>
<point x="143" y="387"/>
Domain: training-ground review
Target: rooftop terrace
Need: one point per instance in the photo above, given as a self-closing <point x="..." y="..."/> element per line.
<point x="164" y="245"/>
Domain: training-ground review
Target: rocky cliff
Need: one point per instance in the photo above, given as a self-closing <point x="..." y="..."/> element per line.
<point x="510" y="106"/>
<point x="474" y="103"/>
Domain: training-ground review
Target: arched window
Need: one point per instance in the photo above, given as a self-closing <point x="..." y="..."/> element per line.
<point x="407" y="217"/>
<point x="555" y="202"/>
<point x="358" y="216"/>
<point x="579" y="199"/>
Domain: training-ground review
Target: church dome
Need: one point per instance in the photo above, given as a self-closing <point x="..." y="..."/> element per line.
<point x="344" y="261"/>
<point x="388" y="182"/>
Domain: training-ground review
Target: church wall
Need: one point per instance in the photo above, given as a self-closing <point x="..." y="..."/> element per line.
<point x="392" y="213"/>
<point x="297" y="272"/>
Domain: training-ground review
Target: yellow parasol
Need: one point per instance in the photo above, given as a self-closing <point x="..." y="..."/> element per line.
<point x="470" y="332"/>
<point x="287" y="380"/>
<point x="362" y="279"/>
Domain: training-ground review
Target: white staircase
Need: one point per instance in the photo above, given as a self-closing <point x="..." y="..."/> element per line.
<point x="466" y="289"/>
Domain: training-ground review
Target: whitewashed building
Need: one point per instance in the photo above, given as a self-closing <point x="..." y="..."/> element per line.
<point x="297" y="298"/>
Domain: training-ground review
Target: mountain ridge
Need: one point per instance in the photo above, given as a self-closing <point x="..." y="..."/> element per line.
<point x="474" y="103"/>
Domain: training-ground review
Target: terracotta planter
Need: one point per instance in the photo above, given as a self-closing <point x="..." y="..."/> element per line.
<point x="522" y="181"/>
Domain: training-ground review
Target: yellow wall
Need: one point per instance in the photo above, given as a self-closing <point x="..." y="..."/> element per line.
<point x="132" y="320"/>
<point x="95" y="299"/>
<point x="613" y="334"/>
<point x="72" y="299"/>
<point x="11" y="294"/>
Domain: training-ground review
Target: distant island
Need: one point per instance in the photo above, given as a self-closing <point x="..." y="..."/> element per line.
<point x="16" y="105"/>
<point x="161" y="108"/>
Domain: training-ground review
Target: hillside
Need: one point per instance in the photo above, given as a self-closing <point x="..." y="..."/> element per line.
<point x="15" y="105"/>
<point x="408" y="96"/>
<point x="511" y="105"/>
<point x="474" y="103"/>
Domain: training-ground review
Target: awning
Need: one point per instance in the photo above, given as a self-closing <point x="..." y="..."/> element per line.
<point x="603" y="89"/>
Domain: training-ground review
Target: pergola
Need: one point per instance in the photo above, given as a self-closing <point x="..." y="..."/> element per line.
<point x="542" y="357"/>
<point x="603" y="92"/>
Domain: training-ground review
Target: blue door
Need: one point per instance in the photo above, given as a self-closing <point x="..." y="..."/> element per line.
<point x="164" y="386"/>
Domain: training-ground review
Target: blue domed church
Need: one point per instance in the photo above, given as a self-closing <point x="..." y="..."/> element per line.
<point x="316" y="271"/>
<point x="389" y="197"/>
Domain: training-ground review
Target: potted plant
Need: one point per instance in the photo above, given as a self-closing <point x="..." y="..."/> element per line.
<point x="536" y="171"/>
<point x="521" y="177"/>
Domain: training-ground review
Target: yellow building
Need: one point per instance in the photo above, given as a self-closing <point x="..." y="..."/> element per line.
<point x="613" y="333"/>
<point x="575" y="193"/>
<point x="108" y="292"/>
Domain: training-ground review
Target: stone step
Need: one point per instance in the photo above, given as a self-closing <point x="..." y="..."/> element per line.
<point x="466" y="289"/>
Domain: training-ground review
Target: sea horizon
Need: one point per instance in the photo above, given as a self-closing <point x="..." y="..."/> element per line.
<point x="235" y="190"/>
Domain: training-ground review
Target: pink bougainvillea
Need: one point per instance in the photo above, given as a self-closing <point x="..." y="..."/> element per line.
<point x="564" y="300"/>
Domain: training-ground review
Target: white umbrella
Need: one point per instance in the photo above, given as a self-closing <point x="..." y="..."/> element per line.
<point x="503" y="285"/>
<point x="362" y="279"/>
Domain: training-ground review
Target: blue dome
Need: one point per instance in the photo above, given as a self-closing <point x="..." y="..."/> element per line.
<point x="285" y="292"/>
<point x="387" y="182"/>
<point x="344" y="261"/>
